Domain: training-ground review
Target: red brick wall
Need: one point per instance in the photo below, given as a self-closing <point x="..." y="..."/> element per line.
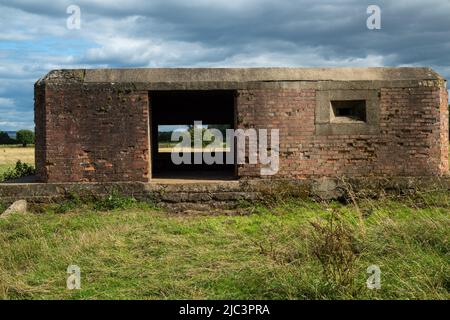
<point x="444" y="131"/>
<point x="92" y="134"/>
<point x="101" y="133"/>
<point x="411" y="142"/>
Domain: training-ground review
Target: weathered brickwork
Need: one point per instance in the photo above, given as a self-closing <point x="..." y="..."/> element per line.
<point x="92" y="134"/>
<point x="412" y="141"/>
<point x="444" y="131"/>
<point x="93" y="125"/>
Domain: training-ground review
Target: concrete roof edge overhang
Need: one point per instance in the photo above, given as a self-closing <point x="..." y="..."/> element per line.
<point x="183" y="76"/>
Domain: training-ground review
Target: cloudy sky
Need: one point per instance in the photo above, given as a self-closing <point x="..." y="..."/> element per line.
<point x="35" y="39"/>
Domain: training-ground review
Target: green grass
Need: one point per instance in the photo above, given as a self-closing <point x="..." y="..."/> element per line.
<point x="10" y="154"/>
<point x="5" y="167"/>
<point x="138" y="252"/>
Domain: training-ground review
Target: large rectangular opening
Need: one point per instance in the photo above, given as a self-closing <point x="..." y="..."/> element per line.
<point x="177" y="111"/>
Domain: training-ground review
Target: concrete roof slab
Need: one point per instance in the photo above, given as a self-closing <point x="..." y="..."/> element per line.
<point x="186" y="75"/>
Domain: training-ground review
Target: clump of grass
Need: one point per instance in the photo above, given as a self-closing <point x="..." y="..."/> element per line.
<point x="3" y="207"/>
<point x="20" y="170"/>
<point x="279" y="244"/>
<point x="72" y="202"/>
<point x="335" y="247"/>
<point x="114" y="202"/>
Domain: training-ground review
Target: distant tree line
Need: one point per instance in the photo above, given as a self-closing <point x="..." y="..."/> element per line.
<point x="165" y="136"/>
<point x="23" y="137"/>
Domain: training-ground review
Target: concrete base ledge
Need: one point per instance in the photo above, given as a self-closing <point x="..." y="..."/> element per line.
<point x="214" y="193"/>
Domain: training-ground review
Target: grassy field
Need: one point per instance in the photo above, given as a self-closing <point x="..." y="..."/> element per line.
<point x="9" y="155"/>
<point x="294" y="250"/>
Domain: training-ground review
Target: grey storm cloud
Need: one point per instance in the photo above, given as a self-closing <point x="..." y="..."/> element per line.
<point x="140" y="33"/>
<point x="413" y="32"/>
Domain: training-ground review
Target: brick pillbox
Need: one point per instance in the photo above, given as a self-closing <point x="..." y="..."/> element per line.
<point x="97" y="125"/>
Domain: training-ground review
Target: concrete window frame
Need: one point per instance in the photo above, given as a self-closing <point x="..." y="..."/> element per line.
<point x="323" y="113"/>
